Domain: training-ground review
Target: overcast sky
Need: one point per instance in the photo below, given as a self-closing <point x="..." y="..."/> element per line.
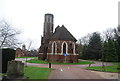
<point x="80" y="17"/>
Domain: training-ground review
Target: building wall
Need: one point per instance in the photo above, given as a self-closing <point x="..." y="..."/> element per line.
<point x="62" y="58"/>
<point x="58" y="55"/>
<point x="54" y="48"/>
<point x="19" y="52"/>
<point x="59" y="48"/>
<point x="22" y="53"/>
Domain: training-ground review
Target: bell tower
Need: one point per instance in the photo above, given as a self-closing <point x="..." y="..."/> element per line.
<point x="48" y="26"/>
<point x="47" y="34"/>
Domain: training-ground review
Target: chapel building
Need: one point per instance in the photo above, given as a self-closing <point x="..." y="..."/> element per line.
<point x="58" y="46"/>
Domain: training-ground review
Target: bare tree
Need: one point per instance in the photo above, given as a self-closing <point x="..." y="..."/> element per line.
<point x="8" y="35"/>
<point x="84" y="40"/>
<point x="118" y="28"/>
<point x="108" y="34"/>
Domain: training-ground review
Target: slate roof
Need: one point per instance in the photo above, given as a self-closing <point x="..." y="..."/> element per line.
<point x="62" y="33"/>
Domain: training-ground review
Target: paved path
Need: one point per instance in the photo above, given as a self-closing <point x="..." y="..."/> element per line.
<point x="67" y="72"/>
<point x="46" y="65"/>
<point x="73" y="71"/>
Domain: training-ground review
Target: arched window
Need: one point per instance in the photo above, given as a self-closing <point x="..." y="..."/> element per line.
<point x="64" y="48"/>
<point x="71" y="48"/>
<point x="54" y="47"/>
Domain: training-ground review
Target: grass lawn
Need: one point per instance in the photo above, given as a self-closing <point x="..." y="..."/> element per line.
<point x="45" y="62"/>
<point x="37" y="61"/>
<point x="37" y="72"/>
<point x="113" y="68"/>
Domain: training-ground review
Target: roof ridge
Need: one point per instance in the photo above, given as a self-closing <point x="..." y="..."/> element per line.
<point x="62" y="34"/>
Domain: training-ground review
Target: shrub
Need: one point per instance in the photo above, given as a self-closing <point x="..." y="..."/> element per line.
<point x="7" y="55"/>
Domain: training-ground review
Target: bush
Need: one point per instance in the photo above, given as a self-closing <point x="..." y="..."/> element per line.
<point x="7" y="55"/>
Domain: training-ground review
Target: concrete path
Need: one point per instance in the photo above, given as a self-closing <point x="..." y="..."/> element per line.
<point x="73" y="72"/>
<point x="67" y="72"/>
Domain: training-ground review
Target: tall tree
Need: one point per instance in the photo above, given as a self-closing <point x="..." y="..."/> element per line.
<point x="108" y="34"/>
<point x="109" y="51"/>
<point x="117" y="37"/>
<point x="94" y="47"/>
<point x="111" y="46"/>
<point x="118" y="50"/>
<point x="82" y="45"/>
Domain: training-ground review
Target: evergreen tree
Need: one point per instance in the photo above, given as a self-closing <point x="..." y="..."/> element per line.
<point x="109" y="53"/>
<point x="117" y="36"/>
<point x="105" y="51"/>
<point x="84" y="53"/>
<point x="118" y="40"/>
<point x="94" y="49"/>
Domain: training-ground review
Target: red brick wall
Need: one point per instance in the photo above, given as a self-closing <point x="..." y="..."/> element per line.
<point x="19" y="53"/>
<point x="61" y="58"/>
<point x="59" y="48"/>
<point x="58" y="57"/>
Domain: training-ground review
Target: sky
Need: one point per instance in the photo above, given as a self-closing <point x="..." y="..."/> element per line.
<point x="80" y="17"/>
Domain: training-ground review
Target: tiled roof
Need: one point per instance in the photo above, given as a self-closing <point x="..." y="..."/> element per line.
<point x="62" y="33"/>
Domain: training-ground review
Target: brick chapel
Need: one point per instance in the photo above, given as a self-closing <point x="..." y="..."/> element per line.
<point x="55" y="44"/>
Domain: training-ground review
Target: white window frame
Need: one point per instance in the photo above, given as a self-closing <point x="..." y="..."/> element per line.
<point x="53" y="47"/>
<point x="62" y="47"/>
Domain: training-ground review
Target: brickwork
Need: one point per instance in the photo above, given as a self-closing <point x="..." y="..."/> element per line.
<point x="59" y="46"/>
<point x="62" y="58"/>
<point x="54" y="44"/>
<point x="19" y="52"/>
<point x="58" y="55"/>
